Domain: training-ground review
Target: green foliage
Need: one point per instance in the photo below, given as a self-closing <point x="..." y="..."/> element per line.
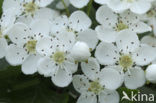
<point x="15" y="87"/>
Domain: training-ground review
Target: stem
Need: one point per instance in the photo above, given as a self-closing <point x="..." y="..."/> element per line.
<point x="89" y="7"/>
<point x="67" y="10"/>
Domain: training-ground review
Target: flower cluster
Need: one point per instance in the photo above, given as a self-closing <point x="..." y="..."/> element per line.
<point x="111" y="55"/>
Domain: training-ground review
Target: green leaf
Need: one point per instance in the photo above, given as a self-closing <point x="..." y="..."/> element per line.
<point x="15" y="87"/>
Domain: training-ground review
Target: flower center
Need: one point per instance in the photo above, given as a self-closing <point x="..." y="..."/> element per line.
<point x="95" y="87"/>
<point x="59" y="57"/>
<point x="30" y="7"/>
<point x="31" y="46"/>
<point x="121" y="26"/>
<point x="126" y="62"/>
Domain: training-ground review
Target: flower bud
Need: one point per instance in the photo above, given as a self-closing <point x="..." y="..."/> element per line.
<point x="80" y="51"/>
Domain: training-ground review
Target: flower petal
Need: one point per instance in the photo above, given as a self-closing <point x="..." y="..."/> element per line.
<point x="91" y="68"/>
<point x="141" y="6"/>
<point x="110" y="78"/>
<point x="43" y="3"/>
<point x="68" y="39"/>
<point x="80" y="83"/>
<point x="19" y="33"/>
<point x="106" y="53"/>
<point x="88" y="36"/>
<point x="46" y="14"/>
<point x="106" y="16"/>
<point x="140" y="27"/>
<point x="37" y="27"/>
<point x="79" y="21"/>
<point x="46" y="67"/>
<point x="70" y="64"/>
<point x="101" y="1"/>
<point x="29" y="66"/>
<point x="108" y="96"/>
<point x="46" y="46"/>
<point x="135" y="78"/>
<point x="118" y="5"/>
<point x="79" y="3"/>
<point x="151" y="73"/>
<point x="127" y="41"/>
<point x="59" y="24"/>
<point x="106" y="34"/>
<point x="149" y="40"/>
<point x="144" y="55"/>
<point x="7" y="4"/>
<point x="87" y="98"/>
<point x="62" y="77"/>
<point x="16" y="56"/>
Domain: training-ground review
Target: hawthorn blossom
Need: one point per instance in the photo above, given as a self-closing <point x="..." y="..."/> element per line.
<point x="79" y="24"/>
<point x="127" y="55"/>
<point x="57" y="62"/>
<point x="97" y="83"/>
<point x="113" y="23"/>
<point x="23" y="47"/>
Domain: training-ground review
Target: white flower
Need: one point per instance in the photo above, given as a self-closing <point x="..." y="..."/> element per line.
<point x="23" y="50"/>
<point x="80" y="51"/>
<point x="57" y="61"/>
<point x="150" y="73"/>
<point x="78" y="23"/>
<point x="136" y="6"/>
<point x="7" y="21"/>
<point x="28" y="7"/>
<point x="97" y="83"/>
<point x="128" y="55"/>
<point x="112" y="23"/>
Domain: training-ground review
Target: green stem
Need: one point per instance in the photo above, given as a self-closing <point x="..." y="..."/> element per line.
<point x="67" y="10"/>
<point x="89" y="7"/>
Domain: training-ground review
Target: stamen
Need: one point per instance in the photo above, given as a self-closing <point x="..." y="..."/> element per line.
<point x="30" y="8"/>
<point x="95" y="87"/>
<point x="125" y="62"/>
<point x="31" y="46"/>
<point x="59" y="57"/>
